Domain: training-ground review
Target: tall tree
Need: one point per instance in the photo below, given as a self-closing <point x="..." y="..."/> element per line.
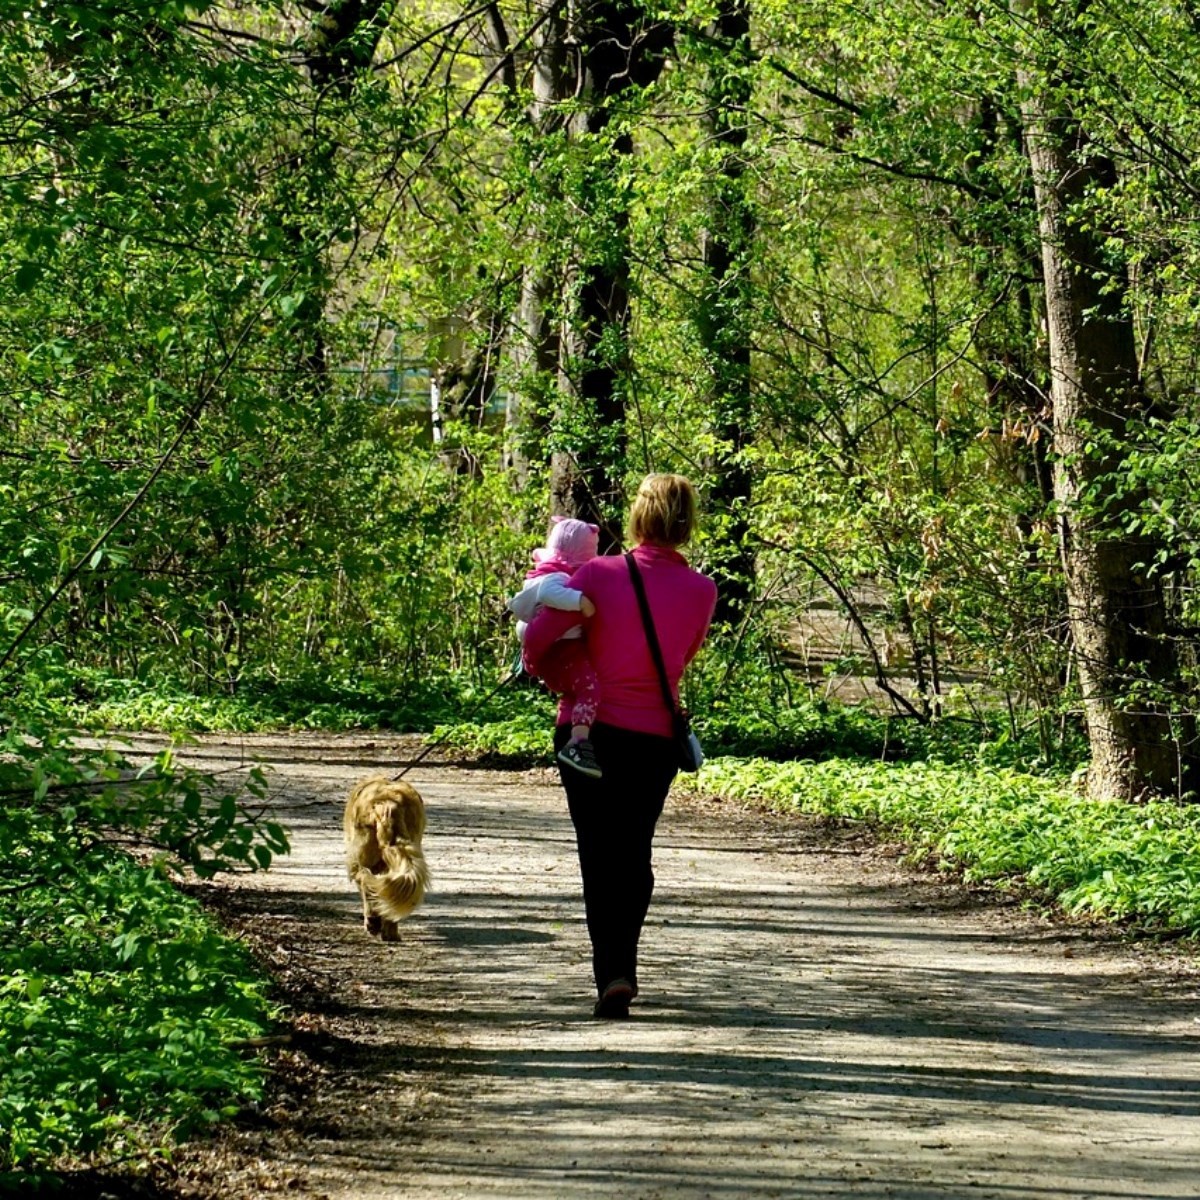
<point x="536" y="335"/>
<point x="1115" y="606"/>
<point x="724" y="305"/>
<point x="619" y="48"/>
<point x="338" y="46"/>
<point x="574" y="314"/>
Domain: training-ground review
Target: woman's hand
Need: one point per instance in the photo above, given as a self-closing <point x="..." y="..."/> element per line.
<point x="587" y="608"/>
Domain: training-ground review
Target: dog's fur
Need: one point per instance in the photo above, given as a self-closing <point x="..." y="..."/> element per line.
<point x="384" y="824"/>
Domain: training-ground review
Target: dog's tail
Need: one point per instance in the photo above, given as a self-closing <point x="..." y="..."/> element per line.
<point x="402" y="886"/>
<point x="399" y="891"/>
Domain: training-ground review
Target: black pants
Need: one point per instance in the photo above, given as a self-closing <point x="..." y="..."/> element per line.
<point x="614" y="820"/>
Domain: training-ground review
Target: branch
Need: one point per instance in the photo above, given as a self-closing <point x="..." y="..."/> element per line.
<point x="186" y="425"/>
<point x="498" y="36"/>
<point x="462" y="18"/>
<point x="852" y="612"/>
<point x="900" y="170"/>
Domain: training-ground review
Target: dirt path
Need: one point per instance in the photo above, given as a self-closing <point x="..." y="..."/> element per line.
<point x="814" y="1021"/>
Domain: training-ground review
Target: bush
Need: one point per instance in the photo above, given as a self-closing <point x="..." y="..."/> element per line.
<point x="119" y="1000"/>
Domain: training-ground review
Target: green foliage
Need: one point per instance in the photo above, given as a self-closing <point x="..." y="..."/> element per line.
<point x="120" y="1000"/>
<point x="1114" y="861"/>
<point x="203" y="241"/>
<point x="120" y="1004"/>
<point x="524" y="737"/>
<point x="175" y="808"/>
<point x="97" y="700"/>
<point x="259" y="265"/>
<point x="808" y="729"/>
<point x="744" y="703"/>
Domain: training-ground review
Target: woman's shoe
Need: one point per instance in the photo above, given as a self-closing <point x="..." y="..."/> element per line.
<point x="614" y="1001"/>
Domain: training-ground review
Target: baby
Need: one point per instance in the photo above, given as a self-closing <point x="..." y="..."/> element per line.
<point x="568" y="669"/>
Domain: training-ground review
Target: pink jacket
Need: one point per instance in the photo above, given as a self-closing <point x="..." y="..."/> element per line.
<point x="681" y="601"/>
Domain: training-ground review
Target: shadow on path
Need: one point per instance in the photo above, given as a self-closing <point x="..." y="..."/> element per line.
<point x="804" y="1029"/>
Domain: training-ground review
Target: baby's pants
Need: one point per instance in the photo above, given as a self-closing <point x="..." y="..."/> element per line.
<point x="568" y="671"/>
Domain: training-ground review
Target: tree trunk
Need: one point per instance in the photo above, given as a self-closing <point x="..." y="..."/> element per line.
<point x="339" y="44"/>
<point x="342" y="40"/>
<point x="1116" y="612"/>
<point x="618" y="48"/>
<point x="534" y="344"/>
<point x="587" y="472"/>
<point x="462" y="386"/>
<point x="570" y="354"/>
<point x="723" y="318"/>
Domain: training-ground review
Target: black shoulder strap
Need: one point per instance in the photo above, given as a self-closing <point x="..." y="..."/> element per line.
<point x="651" y="634"/>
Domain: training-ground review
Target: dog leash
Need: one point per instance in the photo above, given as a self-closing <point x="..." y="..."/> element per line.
<point x="515" y="673"/>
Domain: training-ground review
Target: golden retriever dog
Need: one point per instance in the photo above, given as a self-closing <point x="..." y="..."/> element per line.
<point x="384" y="824"/>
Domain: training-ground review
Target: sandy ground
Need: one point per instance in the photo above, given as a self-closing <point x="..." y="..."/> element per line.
<point x="816" y="1020"/>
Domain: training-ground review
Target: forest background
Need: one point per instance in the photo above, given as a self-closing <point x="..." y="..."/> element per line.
<point x="313" y="313"/>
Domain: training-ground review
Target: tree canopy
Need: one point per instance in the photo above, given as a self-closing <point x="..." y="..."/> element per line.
<point x="312" y="313"/>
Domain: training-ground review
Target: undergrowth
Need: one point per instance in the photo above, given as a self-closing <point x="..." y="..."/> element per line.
<point x="264" y="704"/>
<point x="121" y="1005"/>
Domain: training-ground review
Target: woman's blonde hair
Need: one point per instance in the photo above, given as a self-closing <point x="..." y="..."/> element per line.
<point x="664" y="511"/>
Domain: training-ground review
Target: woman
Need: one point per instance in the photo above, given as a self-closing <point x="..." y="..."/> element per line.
<point x="615" y="815"/>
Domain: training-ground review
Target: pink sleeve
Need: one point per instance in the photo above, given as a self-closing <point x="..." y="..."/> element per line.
<point x="551" y="623"/>
<point x="694" y="648"/>
<point x="542" y="632"/>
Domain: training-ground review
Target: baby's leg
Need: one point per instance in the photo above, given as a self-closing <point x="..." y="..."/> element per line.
<point x="584" y="695"/>
<point x="583" y="701"/>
